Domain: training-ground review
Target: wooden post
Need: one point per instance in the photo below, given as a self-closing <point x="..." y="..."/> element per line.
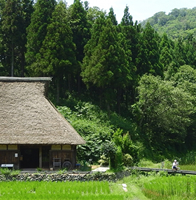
<point x="40" y="157"/>
<point x="74" y="162"/>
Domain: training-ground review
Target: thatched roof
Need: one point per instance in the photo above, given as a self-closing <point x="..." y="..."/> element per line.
<point x="27" y="117"/>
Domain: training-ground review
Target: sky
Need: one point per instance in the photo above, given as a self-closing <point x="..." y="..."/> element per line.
<point x="139" y="9"/>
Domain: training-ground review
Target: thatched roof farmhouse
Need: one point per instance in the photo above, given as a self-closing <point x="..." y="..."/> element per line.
<point x="32" y="132"/>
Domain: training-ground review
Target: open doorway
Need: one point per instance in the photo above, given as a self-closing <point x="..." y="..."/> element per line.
<point x="45" y="156"/>
<point x="29" y="157"/>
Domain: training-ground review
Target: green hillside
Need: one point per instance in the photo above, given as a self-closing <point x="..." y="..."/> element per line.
<point x="179" y="22"/>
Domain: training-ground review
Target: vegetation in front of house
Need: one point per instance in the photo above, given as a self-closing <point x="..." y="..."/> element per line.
<point x="103" y="134"/>
<point x="7" y="172"/>
<point x="58" y="190"/>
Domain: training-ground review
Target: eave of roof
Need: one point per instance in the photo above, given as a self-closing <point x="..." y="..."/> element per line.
<point x="24" y="79"/>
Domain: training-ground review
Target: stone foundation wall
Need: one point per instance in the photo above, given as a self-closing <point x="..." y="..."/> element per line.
<point x="59" y="177"/>
<point x="98" y="176"/>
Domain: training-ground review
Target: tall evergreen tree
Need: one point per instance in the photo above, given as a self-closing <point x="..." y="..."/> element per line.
<point x="131" y="33"/>
<point x="86" y="5"/>
<point x="108" y="68"/>
<point x="166" y="56"/>
<point x="80" y="27"/>
<point x="112" y="16"/>
<point x="57" y="52"/>
<point x="36" y="32"/>
<point x="189" y="48"/>
<point x="11" y="18"/>
<point x="2" y="5"/>
<point x="178" y="54"/>
<point x="127" y="18"/>
<point x="77" y="17"/>
<point x="15" y="19"/>
<point x="148" y="57"/>
<point x="27" y="10"/>
<point x="89" y="48"/>
<point x="93" y="13"/>
<point x="2" y="69"/>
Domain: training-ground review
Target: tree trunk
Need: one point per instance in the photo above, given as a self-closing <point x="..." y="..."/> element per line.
<point x="69" y="82"/>
<point x="79" y="84"/>
<point x="22" y="63"/>
<point x="119" y="91"/>
<point x="12" y="60"/>
<point x="100" y="97"/>
<point x="57" y="91"/>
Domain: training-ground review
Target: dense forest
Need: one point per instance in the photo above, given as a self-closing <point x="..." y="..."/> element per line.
<point x="177" y="23"/>
<point x="127" y="89"/>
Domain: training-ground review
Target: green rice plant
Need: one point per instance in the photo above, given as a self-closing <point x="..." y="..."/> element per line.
<point x="170" y="187"/>
<point x="166" y="164"/>
<point x="188" y="167"/>
<point x="148" y="163"/>
<point x="56" y="190"/>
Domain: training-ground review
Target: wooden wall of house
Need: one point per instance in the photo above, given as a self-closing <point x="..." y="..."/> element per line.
<point x="9" y="154"/>
<point x="63" y="155"/>
<point x="8" y="157"/>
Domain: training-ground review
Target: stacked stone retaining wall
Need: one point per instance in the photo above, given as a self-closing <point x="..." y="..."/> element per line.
<point x="98" y="176"/>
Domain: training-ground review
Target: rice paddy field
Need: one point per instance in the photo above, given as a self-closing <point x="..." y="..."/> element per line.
<point x="172" y="188"/>
<point x="140" y="186"/>
<point x="188" y="167"/>
<point x="57" y="190"/>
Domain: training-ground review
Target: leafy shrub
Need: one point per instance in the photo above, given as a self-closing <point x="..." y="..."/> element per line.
<point x="119" y="159"/>
<point x="125" y="142"/>
<point x="85" y="166"/>
<point x="127" y="160"/>
<point x="167" y="164"/>
<point x="94" y="141"/>
<point x="97" y="128"/>
<point x="104" y="161"/>
<point x="109" y="150"/>
<point x="5" y="171"/>
<point x="15" y="172"/>
<point x="162" y="173"/>
<point x="39" y="169"/>
<point x="92" y="124"/>
<point x="62" y="171"/>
